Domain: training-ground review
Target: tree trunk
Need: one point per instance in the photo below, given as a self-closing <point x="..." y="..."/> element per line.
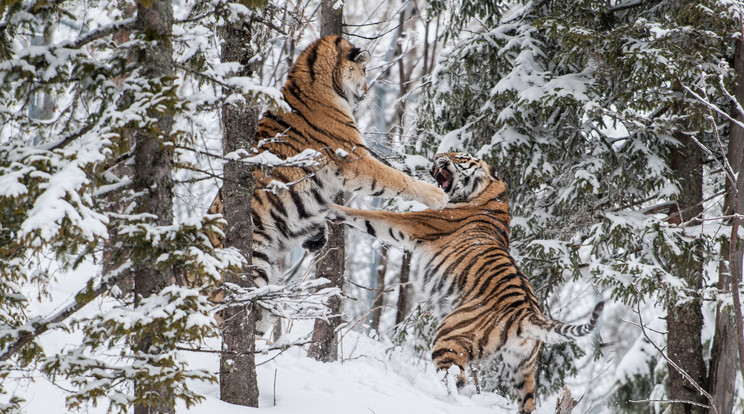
<point x="238" y="380"/>
<point x="379" y="301"/>
<point x="404" y="290"/>
<point x="153" y="163"/>
<point x="685" y="321"/>
<point x="331" y="264"/>
<point x="722" y="377"/>
<point x="331" y="20"/>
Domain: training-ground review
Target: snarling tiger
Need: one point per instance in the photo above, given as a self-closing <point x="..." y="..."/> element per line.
<point x="323" y="86"/>
<point x="487" y="304"/>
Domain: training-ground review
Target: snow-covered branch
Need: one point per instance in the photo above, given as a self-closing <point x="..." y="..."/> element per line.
<point x="301" y="300"/>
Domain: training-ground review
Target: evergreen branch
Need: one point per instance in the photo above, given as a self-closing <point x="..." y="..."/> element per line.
<point x="82" y="298"/>
<point x="101" y="32"/>
<point x="626" y="6"/>
<point x="68" y="139"/>
<point x="220" y="8"/>
<point x="205" y="76"/>
<point x="31" y="8"/>
<point x="669" y="361"/>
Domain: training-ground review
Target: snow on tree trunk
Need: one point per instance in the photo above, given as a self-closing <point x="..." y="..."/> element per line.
<point x="153" y="178"/>
<point x="238" y="381"/>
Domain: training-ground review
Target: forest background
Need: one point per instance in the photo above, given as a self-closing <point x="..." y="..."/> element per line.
<point x="617" y="126"/>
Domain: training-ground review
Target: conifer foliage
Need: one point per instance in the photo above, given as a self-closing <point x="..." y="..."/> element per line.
<point x="584" y="107"/>
<point x="130" y="103"/>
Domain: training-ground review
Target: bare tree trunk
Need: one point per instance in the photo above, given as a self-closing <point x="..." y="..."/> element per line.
<point x="153" y="178"/>
<point x="404" y="290"/>
<point x="238" y="380"/>
<point x="722" y="376"/>
<point x="331" y="264"/>
<point x="379" y="301"/>
<point x="685" y="320"/>
<point x="331" y="19"/>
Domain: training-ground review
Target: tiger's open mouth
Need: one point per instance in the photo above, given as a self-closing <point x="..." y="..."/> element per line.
<point x="443" y="177"/>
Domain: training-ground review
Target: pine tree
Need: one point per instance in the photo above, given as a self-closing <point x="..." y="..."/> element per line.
<point x="238" y="380"/>
<point x="117" y="104"/>
<point x="536" y="88"/>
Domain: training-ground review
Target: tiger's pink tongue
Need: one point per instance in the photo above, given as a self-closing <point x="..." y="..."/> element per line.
<point x="444" y="179"/>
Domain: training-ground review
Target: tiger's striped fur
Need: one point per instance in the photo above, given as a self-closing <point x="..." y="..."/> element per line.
<point x="325" y="83"/>
<point x="470" y="278"/>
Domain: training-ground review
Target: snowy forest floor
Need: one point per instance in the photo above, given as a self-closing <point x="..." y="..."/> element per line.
<point x="372" y="377"/>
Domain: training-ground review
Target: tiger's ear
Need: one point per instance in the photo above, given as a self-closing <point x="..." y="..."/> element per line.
<point x="362" y="57"/>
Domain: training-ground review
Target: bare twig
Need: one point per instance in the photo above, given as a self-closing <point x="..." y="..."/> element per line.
<point x="242" y="353"/>
<point x="671" y="401"/>
<point x="669" y="361"/>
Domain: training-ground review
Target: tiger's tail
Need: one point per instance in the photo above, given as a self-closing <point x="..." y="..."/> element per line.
<point x="554" y="332"/>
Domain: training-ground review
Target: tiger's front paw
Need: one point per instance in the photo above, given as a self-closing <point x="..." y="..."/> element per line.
<point x="433" y="196"/>
<point x="336" y="214"/>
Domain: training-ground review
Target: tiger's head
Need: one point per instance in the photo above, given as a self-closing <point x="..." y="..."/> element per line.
<point x="464" y="177"/>
<point x="334" y="64"/>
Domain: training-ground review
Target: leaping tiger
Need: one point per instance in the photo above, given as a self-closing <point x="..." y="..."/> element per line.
<point x="469" y="276"/>
<point x="325" y="83"/>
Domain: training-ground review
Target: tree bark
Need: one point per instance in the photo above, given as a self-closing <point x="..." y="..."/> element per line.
<point x="331" y="264"/>
<point x="404" y="290"/>
<point x="238" y="380"/>
<point x="685" y="320"/>
<point x="153" y="163"/>
<point x="722" y="377"/>
<point x="331" y="20"/>
<point x="379" y="301"/>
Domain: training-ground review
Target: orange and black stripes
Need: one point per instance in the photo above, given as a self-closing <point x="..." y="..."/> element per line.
<point x="487" y="304"/>
<point x="322" y="87"/>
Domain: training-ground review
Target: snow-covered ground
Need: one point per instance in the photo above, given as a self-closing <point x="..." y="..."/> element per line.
<point x="371" y="377"/>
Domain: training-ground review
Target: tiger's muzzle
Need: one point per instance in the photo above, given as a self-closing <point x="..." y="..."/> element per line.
<point x="440" y="170"/>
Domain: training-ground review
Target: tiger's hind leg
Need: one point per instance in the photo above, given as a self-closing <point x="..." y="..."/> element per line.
<point x="520" y="361"/>
<point x="450" y="353"/>
<point x="456" y="344"/>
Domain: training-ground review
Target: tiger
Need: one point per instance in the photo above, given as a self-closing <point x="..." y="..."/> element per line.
<point x="323" y="86"/>
<point x="485" y="303"/>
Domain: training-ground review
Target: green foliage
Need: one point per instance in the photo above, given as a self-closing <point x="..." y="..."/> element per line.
<point x="66" y="195"/>
<point x="647" y="383"/>
<point x="576" y="103"/>
<point x="176" y="315"/>
<point x="417" y="332"/>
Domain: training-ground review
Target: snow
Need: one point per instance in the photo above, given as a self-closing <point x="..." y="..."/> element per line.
<point x="372" y="376"/>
